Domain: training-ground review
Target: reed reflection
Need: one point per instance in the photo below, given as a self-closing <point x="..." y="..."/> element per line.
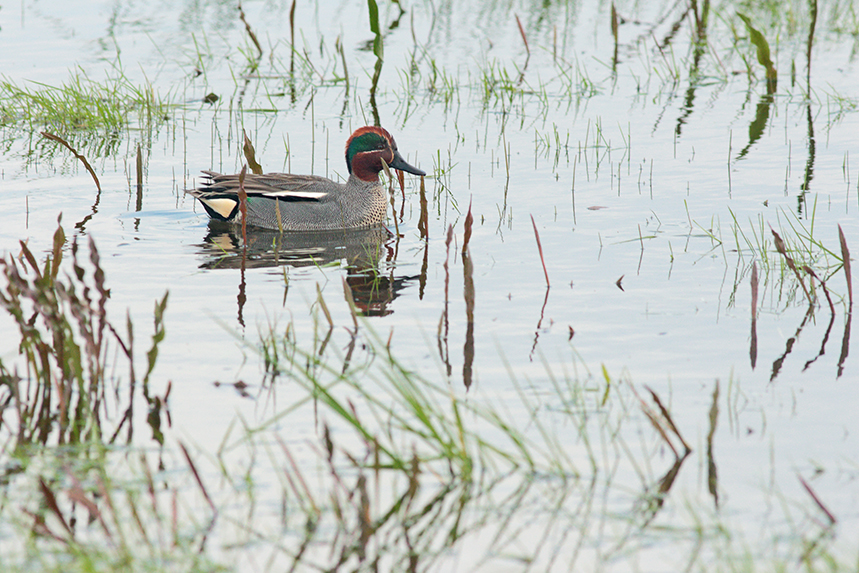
<point x="367" y="255"/>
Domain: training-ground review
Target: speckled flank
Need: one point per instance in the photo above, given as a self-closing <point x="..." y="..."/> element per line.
<point x="355" y="204"/>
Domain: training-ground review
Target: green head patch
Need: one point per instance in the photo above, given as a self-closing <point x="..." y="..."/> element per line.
<point x="363" y="140"/>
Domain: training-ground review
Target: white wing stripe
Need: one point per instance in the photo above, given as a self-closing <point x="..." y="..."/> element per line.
<point x="302" y="194"/>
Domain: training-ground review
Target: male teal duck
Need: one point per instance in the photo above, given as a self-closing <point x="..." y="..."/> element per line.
<point x="310" y="202"/>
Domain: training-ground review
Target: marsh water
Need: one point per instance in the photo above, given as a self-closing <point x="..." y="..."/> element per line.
<point x="655" y="166"/>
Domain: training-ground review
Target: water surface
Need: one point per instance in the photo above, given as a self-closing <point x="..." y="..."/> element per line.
<point x="653" y="171"/>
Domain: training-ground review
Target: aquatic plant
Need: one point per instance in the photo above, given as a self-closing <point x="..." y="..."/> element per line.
<point x="82" y="104"/>
<point x="59" y="388"/>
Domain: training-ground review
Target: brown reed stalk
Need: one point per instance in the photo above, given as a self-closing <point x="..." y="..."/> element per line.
<point x="845" y="257"/>
<point x="753" y="347"/>
<point x="197" y="478"/>
<point x="350" y="300"/>
<point x="668" y="419"/>
<point x="139" y="175"/>
<point x="469" y="222"/>
<point x="540" y="248"/>
<point x="248" y="28"/>
<point x="423" y="222"/>
<point x="324" y="306"/>
<point x="823" y="508"/>
<point x="522" y="32"/>
<point x="250" y="154"/>
<point x="243" y="205"/>
<point x="391" y="193"/>
<point x="77" y="155"/>
<point x="780" y="247"/>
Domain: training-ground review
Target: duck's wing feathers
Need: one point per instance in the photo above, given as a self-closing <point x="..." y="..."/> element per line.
<point x="281" y="186"/>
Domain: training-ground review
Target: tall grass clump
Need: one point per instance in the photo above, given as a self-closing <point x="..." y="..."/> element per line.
<point x="60" y="388"/>
<point x="790" y="253"/>
<point x="74" y="494"/>
<point x="413" y="472"/>
<point x="81" y="104"/>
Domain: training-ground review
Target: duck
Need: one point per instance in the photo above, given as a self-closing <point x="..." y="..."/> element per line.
<point x="289" y="202"/>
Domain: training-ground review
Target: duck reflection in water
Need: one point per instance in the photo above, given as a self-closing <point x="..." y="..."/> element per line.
<point x="360" y="252"/>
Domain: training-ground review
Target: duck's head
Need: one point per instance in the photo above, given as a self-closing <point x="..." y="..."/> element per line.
<point x="367" y="147"/>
